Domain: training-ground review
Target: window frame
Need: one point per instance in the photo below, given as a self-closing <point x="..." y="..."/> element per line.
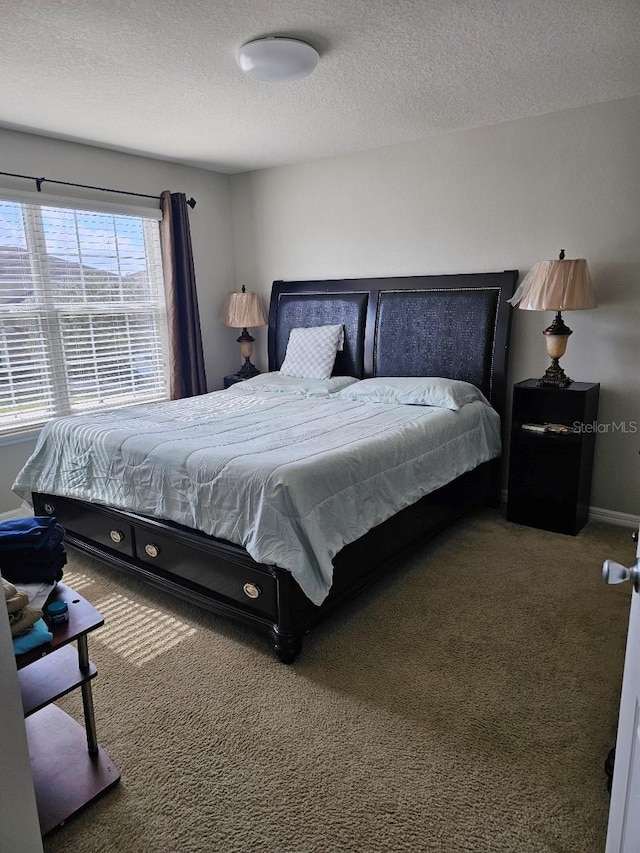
<point x="50" y="310"/>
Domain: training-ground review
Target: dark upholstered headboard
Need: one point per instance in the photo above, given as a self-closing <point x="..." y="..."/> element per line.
<point x="301" y="308"/>
<point x="456" y="326"/>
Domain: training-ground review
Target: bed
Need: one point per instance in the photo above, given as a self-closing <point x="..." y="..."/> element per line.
<point x="249" y="543"/>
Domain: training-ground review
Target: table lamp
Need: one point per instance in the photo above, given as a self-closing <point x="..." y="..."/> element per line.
<point x="242" y="309"/>
<point x="562" y="285"/>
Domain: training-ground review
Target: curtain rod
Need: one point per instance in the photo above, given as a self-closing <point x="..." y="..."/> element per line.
<point x="39" y="181"/>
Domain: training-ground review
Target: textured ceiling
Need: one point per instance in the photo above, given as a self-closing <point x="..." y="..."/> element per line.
<point x="159" y="77"/>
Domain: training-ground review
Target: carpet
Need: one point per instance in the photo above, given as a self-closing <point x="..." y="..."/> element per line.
<point x="467" y="702"/>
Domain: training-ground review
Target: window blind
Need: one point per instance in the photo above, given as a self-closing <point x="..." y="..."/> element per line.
<point x="82" y="311"/>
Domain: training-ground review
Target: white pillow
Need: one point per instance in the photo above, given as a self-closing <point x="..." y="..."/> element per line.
<point x="311" y="352"/>
<point x="275" y="382"/>
<point x="414" y="391"/>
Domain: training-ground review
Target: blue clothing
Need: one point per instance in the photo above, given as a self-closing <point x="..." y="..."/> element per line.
<point x="31" y="550"/>
<point x="35" y="636"/>
<point x="30" y="532"/>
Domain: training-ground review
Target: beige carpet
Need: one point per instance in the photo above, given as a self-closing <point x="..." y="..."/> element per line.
<point x="467" y="703"/>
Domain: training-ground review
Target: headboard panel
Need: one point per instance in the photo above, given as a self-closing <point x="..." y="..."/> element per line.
<point x="301" y="309"/>
<point x="450" y="334"/>
<point x="455" y="326"/>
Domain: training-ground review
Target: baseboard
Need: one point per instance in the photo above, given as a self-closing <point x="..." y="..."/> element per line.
<point x="623" y="519"/>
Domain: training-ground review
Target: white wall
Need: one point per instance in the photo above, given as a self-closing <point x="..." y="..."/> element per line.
<point x="492" y="198"/>
<point x="210" y="232"/>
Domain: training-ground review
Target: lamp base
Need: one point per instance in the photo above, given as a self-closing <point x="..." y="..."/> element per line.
<point x="248" y="370"/>
<point x="555" y="377"/>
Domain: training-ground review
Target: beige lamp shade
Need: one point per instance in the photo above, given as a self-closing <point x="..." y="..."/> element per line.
<point x="561" y="285"/>
<point x="242" y="309"/>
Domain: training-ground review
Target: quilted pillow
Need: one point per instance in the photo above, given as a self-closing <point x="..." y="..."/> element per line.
<point x="414" y="391"/>
<point x="311" y="352"/>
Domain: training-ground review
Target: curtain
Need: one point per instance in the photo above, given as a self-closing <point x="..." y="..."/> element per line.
<point x="187" y="375"/>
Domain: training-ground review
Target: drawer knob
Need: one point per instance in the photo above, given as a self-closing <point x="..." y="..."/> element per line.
<point x="252" y="590"/>
<point x="151" y="550"/>
<point x="49" y="508"/>
<point x="116" y="535"/>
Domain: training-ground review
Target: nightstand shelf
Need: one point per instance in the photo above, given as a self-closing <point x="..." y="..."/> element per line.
<point x="41" y="683"/>
<point x="66" y="776"/>
<point x="550" y="473"/>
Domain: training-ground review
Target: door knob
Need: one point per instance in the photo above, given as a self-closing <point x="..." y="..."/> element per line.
<point x="613" y="572"/>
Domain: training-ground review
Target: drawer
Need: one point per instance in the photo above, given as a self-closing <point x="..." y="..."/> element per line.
<point x="89" y="522"/>
<point x="248" y="586"/>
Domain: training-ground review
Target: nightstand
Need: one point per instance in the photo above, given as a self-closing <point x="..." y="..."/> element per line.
<point x="550" y="472"/>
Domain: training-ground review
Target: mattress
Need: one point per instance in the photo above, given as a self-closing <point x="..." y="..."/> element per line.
<point x="291" y="479"/>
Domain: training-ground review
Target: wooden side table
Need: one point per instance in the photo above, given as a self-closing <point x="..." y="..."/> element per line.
<point x="69" y="768"/>
<point x="549" y="472"/>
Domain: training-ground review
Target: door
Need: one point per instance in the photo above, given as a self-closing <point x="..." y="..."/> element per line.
<point x="623" y="834"/>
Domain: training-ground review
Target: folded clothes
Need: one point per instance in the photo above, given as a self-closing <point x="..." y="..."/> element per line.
<point x="9" y="589"/>
<point x="31" y="550"/>
<point x="17" y="602"/>
<point x="53" y="540"/>
<point x="38" y="593"/>
<point x="21" y="566"/>
<point x="16" y="616"/>
<point x="15" y="599"/>
<point x="35" y="636"/>
<point x="24" y="620"/>
<point x="30" y="532"/>
<point x="34" y="558"/>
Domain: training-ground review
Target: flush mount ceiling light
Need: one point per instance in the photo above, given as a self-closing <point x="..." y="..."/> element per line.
<point x="277" y="60"/>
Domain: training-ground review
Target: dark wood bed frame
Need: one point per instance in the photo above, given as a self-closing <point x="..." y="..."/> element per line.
<point x="456" y="326"/>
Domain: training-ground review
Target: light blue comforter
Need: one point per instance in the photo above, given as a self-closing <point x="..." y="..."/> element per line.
<point x="290" y="479"/>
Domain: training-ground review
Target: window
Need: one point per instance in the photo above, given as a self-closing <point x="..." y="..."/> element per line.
<point x="82" y="309"/>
